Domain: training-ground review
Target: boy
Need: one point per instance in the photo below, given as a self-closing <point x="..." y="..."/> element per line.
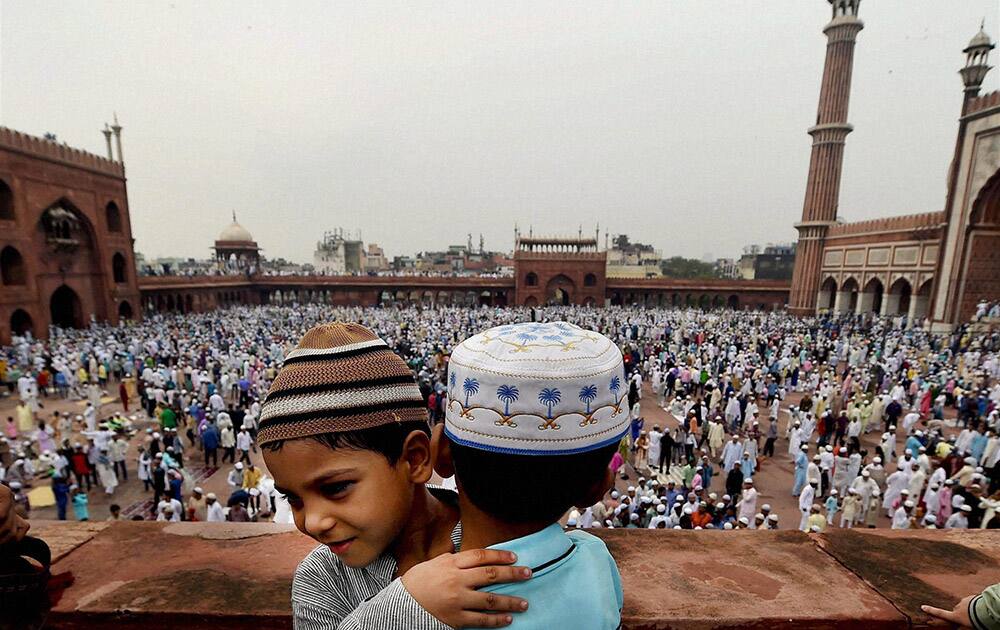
<point x="535" y="415"/>
<point x="344" y="433"/>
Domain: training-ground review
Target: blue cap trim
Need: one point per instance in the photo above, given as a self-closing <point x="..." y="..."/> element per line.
<point x="527" y="451"/>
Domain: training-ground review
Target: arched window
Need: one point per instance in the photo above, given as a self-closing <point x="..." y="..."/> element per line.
<point x="531" y="279"/>
<point x="12" y="271"/>
<point x="589" y="280"/>
<point x="6" y="202"/>
<point x="114" y="217"/>
<point x="118" y="268"/>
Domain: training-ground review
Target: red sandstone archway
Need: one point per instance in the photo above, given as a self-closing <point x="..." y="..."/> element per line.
<point x="6" y="202"/>
<point x="560" y="290"/>
<point x="827" y="294"/>
<point x="12" y="269"/>
<point x="113" y="217"/>
<point x="21" y="323"/>
<point x="65" y="308"/>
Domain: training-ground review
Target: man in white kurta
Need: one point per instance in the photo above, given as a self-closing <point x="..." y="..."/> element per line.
<point x="732" y="454"/>
<point x="864" y="486"/>
<point x="901" y="518"/>
<point x="895" y="484"/>
<point x="748" y="504"/>
<point x="806" y="502"/>
<point x="653" y="452"/>
<point x="716" y="436"/>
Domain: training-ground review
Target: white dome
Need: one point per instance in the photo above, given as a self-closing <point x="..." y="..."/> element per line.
<point x="235" y="232"/>
<point x="981" y="39"/>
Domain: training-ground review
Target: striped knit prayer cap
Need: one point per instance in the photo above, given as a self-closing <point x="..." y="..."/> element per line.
<point x="340" y="378"/>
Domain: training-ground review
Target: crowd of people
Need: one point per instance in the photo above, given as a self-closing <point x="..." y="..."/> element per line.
<point x="837" y="395"/>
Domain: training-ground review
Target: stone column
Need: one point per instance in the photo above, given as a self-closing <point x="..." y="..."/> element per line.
<point x="890" y="304"/>
<point x="865" y="302"/>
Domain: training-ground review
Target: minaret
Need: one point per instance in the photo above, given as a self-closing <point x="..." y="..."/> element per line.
<point x="819" y="211"/>
<point x="117" y="129"/>
<point x="945" y="306"/>
<point x="107" y="139"/>
<point x="976" y="64"/>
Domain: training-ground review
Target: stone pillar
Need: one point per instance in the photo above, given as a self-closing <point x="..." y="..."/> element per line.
<point x="890" y="304"/>
<point x="866" y="300"/>
<point x="819" y="210"/>
<point x="918" y="307"/>
<point x="842" y="302"/>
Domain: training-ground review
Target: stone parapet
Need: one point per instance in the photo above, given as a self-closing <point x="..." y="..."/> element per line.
<point x="923" y="222"/>
<point x="41" y="148"/>
<point x="983" y="103"/>
<point x="222" y="575"/>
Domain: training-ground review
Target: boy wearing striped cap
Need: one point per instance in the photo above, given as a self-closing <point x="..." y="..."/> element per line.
<point x="344" y="433"/>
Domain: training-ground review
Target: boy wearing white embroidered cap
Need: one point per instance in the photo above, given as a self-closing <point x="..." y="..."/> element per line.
<point x="535" y="413"/>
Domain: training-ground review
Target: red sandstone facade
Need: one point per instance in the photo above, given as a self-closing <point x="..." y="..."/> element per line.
<point x="559" y="271"/>
<point x="65" y="238"/>
<point x="936" y="265"/>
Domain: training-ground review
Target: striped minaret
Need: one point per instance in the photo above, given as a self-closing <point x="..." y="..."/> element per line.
<point x="819" y="211"/>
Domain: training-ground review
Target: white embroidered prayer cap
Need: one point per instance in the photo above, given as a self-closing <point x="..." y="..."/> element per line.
<point x="537" y="389"/>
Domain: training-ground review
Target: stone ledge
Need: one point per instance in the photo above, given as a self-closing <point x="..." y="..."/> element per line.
<point x="213" y="575"/>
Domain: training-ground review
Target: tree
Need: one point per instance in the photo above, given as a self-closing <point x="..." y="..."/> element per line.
<point x="687" y="268"/>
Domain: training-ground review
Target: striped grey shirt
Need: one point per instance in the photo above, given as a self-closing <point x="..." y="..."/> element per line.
<point x="327" y="594"/>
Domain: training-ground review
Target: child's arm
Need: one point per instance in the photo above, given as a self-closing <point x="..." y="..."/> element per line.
<point x="441" y="593"/>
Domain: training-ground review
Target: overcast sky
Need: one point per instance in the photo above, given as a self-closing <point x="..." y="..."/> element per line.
<point x="680" y="123"/>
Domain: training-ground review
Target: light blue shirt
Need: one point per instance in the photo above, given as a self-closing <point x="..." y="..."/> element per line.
<point x="575" y="582"/>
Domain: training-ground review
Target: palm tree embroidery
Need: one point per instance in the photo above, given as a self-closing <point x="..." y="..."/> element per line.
<point x="616" y="384"/>
<point x="587" y="395"/>
<point x="507" y="394"/>
<point x="470" y="386"/>
<point x="549" y="396"/>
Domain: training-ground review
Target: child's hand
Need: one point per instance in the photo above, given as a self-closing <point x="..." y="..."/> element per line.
<point x="445" y="587"/>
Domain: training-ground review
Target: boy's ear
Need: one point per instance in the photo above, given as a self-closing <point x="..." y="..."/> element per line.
<point x="441" y="446"/>
<point x="418" y="455"/>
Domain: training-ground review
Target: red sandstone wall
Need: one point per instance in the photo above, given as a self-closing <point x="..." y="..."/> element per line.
<point x="39" y="173"/>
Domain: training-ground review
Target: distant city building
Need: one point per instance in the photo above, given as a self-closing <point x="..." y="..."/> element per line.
<point x="632" y="260"/>
<point x="403" y="263"/>
<point x="727" y="268"/>
<point x="337" y="254"/>
<point x="773" y="262"/>
<point x="375" y="260"/>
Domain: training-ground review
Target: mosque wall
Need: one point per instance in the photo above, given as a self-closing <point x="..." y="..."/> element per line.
<point x="65" y="238"/>
<point x="969" y="259"/>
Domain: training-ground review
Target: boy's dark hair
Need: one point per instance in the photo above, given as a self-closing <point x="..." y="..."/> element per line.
<point x="528" y="488"/>
<point x="386" y="440"/>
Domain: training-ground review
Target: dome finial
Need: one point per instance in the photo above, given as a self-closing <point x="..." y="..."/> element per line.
<point x="234" y="216"/>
